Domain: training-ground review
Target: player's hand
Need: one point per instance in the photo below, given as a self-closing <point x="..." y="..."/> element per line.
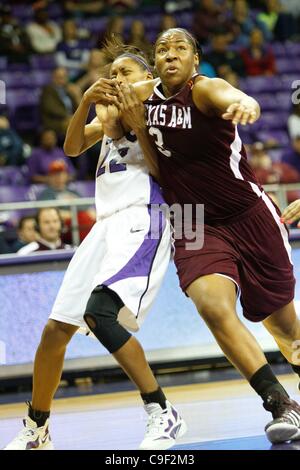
<point x="132" y="108"/>
<point x="240" y="113"/>
<point x="107" y="114"/>
<point x="291" y="213"/>
<point x="102" y="91"/>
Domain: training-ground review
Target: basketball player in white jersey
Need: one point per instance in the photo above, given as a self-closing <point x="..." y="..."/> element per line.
<point x="116" y="272"/>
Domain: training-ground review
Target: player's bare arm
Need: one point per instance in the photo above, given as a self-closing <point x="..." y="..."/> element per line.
<point x="133" y="117"/>
<point x="216" y="96"/>
<point x="81" y="136"/>
<point x="291" y="213"/>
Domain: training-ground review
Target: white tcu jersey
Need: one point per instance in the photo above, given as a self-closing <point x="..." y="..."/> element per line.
<point x="122" y="177"/>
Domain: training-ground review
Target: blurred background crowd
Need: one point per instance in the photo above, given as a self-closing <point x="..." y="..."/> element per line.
<point x="50" y="53"/>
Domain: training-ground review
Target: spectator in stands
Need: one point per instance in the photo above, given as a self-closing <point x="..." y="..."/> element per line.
<point x="14" y="41"/>
<point x="267" y="171"/>
<point x="72" y="53"/>
<point x="58" y="101"/>
<point x="92" y="71"/>
<point x="294" y="121"/>
<point x="81" y="8"/>
<point x="48" y="152"/>
<point x="292" y="155"/>
<point x="49" y="227"/>
<point x="280" y="23"/>
<point x="258" y="58"/>
<point x="57" y="189"/>
<point x="26" y="233"/>
<point x="242" y="24"/>
<point x="122" y="5"/>
<point x="207" y="19"/>
<point x="221" y="58"/>
<point x="44" y="34"/>
<point x="4" y="246"/>
<point x="138" y="38"/>
<point x="11" y="145"/>
<point x="167" y="22"/>
<point x="114" y="27"/>
<point x="232" y="78"/>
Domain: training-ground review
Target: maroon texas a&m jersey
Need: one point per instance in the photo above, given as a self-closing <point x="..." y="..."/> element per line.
<point x="201" y="159"/>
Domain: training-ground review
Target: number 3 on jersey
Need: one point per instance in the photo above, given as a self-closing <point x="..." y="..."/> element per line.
<point x="159" y="141"/>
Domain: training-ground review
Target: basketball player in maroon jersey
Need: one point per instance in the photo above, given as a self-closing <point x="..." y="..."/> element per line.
<point x="191" y="123"/>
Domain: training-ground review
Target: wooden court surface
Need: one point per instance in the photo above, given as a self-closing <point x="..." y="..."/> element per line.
<point x="213" y="411"/>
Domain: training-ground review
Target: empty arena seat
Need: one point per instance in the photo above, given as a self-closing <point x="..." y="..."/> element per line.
<point x="12" y="175"/>
<point x="269" y="120"/>
<point x="10" y="193"/>
<point x="279" y="136"/>
<point x="43" y="62"/>
<point x="85" y="188"/>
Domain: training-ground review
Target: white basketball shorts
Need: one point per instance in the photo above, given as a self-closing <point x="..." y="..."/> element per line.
<point x="129" y="252"/>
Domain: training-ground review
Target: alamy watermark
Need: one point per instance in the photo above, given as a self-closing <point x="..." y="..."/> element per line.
<point x="296" y="93"/>
<point x="187" y="221"/>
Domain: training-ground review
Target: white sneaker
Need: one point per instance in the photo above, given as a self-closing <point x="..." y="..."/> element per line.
<point x="32" y="437"/>
<point x="163" y="427"/>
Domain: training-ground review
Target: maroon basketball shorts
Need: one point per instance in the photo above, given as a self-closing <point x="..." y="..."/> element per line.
<point x="252" y="250"/>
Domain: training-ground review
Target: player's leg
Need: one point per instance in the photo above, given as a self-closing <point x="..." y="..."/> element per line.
<point x="48" y="363"/>
<point x="214" y="297"/>
<point x="48" y="366"/>
<point x="284" y="326"/>
<point x="102" y="318"/>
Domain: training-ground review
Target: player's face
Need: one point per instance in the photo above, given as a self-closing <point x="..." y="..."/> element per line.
<point x="127" y="70"/>
<point x="50" y="225"/>
<point x="175" y="60"/>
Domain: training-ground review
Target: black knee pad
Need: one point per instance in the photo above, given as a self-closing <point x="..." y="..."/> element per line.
<point x="101" y="316"/>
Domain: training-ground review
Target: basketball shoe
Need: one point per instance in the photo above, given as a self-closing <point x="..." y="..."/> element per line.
<point x="32" y="437"/>
<point x="286" y="418"/>
<point x="163" y="428"/>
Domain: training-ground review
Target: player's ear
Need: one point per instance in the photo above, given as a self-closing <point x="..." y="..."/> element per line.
<point x="196" y="60"/>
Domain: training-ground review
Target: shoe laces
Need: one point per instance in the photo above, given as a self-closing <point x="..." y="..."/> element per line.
<point x="156" y="420"/>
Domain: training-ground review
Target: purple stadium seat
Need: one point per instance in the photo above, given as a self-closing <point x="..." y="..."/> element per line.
<point x="254" y="85"/>
<point x="43" y="62"/>
<point x="286" y="65"/>
<point x="23" y="12"/>
<point x="273" y="120"/>
<point x="267" y="101"/>
<point x="40" y="78"/>
<point x="293" y="49"/>
<point x="284" y="100"/>
<point x="85" y="188"/>
<point x="290" y="82"/>
<point x="275" y="154"/>
<point x="13" y="193"/>
<point x="22" y="97"/>
<point x="16" y="80"/>
<point x="11" y="175"/>
<point x="3" y="63"/>
<point x="279" y="49"/>
<point x="279" y="136"/>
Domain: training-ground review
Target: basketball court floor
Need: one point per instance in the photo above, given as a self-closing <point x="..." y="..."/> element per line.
<point x="223" y="415"/>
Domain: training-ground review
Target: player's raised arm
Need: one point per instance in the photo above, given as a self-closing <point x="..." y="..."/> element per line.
<point x="81" y="136"/>
<point x="226" y="101"/>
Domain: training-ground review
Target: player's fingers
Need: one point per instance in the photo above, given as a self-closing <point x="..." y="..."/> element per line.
<point x="237" y="115"/>
<point x="227" y="116"/>
<point x="232" y="108"/>
<point x="252" y="117"/>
